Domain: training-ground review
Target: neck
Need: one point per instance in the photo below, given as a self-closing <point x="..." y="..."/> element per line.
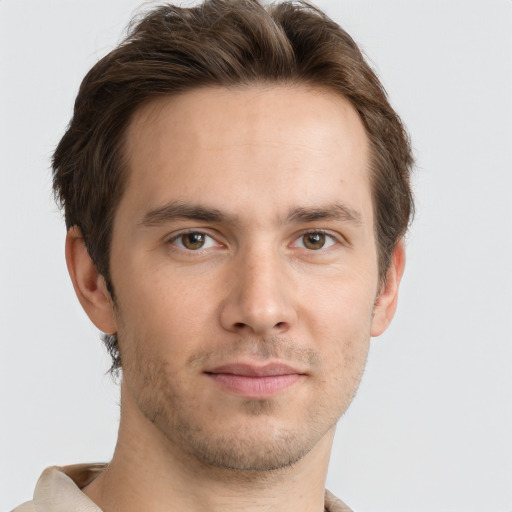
<point x="149" y="473"/>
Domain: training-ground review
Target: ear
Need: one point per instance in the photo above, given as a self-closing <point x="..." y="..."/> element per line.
<point x="89" y="284"/>
<point x="387" y="300"/>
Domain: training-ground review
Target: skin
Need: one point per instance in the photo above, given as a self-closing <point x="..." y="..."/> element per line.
<point x="287" y="274"/>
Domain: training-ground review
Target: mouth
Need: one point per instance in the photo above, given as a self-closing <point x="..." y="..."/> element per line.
<point x="253" y="381"/>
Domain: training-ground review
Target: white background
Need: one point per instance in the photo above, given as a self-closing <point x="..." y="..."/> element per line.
<point x="431" y="426"/>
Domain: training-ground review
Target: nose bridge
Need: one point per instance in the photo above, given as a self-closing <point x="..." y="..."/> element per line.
<point x="262" y="287"/>
<point x="259" y="298"/>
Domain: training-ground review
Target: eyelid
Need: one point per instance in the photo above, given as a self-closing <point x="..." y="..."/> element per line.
<point x="169" y="240"/>
<point x="336" y="237"/>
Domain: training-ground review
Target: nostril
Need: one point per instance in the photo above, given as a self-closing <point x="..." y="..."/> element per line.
<point x="239" y="325"/>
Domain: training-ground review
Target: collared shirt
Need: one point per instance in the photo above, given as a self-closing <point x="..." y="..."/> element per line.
<point x="58" y="490"/>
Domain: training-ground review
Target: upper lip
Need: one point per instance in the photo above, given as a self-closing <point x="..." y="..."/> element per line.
<point x="252" y="370"/>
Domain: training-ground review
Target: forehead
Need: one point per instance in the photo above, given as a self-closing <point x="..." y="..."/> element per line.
<point x="257" y="143"/>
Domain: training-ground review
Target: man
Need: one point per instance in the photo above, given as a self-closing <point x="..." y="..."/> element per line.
<point x="236" y="191"/>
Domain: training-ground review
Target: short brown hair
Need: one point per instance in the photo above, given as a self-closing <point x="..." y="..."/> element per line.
<point x="222" y="43"/>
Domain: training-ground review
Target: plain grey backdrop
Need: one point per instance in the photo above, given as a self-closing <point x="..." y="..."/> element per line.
<point x="431" y="426"/>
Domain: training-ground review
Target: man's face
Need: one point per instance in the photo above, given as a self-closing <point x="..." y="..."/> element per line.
<point x="245" y="269"/>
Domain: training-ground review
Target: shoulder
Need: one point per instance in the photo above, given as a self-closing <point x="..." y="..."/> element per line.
<point x="333" y="504"/>
<point x="59" y="488"/>
<point x="26" y="507"/>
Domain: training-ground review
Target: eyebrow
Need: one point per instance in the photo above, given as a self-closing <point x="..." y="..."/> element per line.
<point x="178" y="210"/>
<point x="332" y="211"/>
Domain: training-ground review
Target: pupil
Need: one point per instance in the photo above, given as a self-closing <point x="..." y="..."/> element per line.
<point x="315" y="240"/>
<point x="193" y="240"/>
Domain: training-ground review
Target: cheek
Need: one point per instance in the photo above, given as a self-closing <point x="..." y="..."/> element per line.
<point x="167" y="314"/>
<point x="344" y="339"/>
<point x="342" y="308"/>
<point x="339" y="323"/>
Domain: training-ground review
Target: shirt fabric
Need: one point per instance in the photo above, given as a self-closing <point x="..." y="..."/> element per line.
<point x="58" y="490"/>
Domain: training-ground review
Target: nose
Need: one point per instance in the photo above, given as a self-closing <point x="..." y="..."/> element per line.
<point x="260" y="296"/>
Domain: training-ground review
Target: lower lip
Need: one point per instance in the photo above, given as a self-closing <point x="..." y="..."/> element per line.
<point x="254" y="387"/>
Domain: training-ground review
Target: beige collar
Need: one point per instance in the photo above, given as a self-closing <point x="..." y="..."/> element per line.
<point x="58" y="490"/>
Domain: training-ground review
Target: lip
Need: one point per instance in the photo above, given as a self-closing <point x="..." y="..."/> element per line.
<point x="254" y="381"/>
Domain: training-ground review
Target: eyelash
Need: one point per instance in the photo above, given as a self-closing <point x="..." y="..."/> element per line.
<point x="335" y="240"/>
<point x="181" y="234"/>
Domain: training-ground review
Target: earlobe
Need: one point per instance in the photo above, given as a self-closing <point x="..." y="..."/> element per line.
<point x="89" y="284"/>
<point x="387" y="300"/>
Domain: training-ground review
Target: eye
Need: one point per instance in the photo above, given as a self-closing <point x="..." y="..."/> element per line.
<point x="315" y="240"/>
<point x="193" y="241"/>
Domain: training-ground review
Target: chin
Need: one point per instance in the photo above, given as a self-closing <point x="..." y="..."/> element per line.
<point x="258" y="439"/>
<point x="253" y="450"/>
